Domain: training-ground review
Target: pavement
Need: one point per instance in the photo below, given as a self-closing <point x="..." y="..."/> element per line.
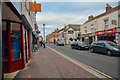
<point x="10" y="76"/>
<point x="46" y="63"/>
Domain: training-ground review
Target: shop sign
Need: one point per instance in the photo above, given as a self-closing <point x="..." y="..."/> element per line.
<point x="114" y="22"/>
<point x="106" y="31"/>
<point x="17" y="36"/>
<point x="34" y="7"/>
<point x="70" y="32"/>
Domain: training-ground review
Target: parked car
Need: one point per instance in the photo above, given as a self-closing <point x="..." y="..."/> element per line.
<point x="79" y="45"/>
<point x="59" y="43"/>
<point x="108" y="47"/>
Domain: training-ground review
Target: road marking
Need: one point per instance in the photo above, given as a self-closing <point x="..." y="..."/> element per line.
<point x="93" y="71"/>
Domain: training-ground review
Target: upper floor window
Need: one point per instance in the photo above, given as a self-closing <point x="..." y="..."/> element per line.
<point x="85" y="29"/>
<point x="92" y="28"/>
<point x="106" y="24"/>
<point x="62" y="34"/>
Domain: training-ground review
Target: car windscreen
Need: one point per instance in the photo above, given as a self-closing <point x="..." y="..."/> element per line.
<point x="60" y="42"/>
<point x="111" y="43"/>
<point x="80" y="42"/>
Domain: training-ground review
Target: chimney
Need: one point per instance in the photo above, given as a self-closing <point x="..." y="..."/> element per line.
<point x="90" y="17"/>
<point x="108" y="7"/>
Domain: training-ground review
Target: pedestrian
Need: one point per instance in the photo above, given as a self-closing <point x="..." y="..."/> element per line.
<point x="41" y="43"/>
<point x="114" y="41"/>
<point x="44" y="44"/>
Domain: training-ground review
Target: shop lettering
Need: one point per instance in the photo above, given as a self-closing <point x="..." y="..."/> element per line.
<point x="106" y="31"/>
<point x="17" y="36"/>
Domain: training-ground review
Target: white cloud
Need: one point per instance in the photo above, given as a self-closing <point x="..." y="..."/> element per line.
<point x="49" y="26"/>
<point x="57" y="18"/>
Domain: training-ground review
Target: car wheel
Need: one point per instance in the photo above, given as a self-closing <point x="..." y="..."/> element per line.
<point x="109" y="53"/>
<point x="91" y="50"/>
<point x="72" y="47"/>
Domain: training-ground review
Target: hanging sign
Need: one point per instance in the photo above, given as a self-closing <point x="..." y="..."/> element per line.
<point x="34" y="7"/>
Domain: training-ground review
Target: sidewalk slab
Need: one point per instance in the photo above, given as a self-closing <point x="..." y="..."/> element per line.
<point x="10" y="76"/>
<point x="48" y="64"/>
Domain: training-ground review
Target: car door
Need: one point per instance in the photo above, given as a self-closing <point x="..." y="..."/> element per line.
<point x="101" y="47"/>
<point x="75" y="45"/>
<point x="95" y="46"/>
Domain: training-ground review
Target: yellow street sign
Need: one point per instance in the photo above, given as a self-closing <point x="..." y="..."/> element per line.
<point x="34" y="7"/>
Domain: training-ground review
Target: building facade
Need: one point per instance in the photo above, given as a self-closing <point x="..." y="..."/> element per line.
<point x="102" y="27"/>
<point x="88" y="30"/>
<point x="71" y="32"/>
<point x="53" y="37"/>
<point x="17" y="29"/>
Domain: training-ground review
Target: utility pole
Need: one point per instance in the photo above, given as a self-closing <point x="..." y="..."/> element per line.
<point x="44" y="34"/>
<point x="1" y="62"/>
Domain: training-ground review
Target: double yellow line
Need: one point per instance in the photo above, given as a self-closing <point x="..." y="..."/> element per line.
<point x="86" y="66"/>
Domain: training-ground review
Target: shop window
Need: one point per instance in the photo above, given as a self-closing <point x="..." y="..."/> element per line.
<point x="16" y="40"/>
<point x="4" y="41"/>
<point x="106" y="24"/>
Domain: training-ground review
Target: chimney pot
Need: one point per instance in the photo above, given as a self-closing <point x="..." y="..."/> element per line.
<point x="90" y="17"/>
<point x="108" y="7"/>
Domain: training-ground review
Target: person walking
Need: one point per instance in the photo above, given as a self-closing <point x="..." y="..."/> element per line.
<point x="44" y="44"/>
<point x="41" y="43"/>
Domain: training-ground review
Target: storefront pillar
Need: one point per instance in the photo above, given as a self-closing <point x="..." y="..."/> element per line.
<point x="26" y="47"/>
<point x="22" y="44"/>
<point x="1" y="62"/>
<point x="118" y="38"/>
<point x="9" y="51"/>
<point x="29" y="42"/>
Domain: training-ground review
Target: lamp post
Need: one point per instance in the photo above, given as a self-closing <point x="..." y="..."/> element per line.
<point x="44" y="34"/>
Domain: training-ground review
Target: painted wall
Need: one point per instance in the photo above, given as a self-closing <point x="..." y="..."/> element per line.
<point x="111" y="16"/>
<point x="88" y="25"/>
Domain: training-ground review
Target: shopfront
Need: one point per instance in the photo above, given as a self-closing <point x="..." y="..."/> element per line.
<point x="88" y="38"/>
<point x="109" y="35"/>
<point x="12" y="50"/>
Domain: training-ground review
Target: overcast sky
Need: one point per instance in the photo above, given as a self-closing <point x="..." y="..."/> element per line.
<point x="57" y="14"/>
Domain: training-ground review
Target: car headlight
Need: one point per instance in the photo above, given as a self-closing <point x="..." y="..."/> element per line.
<point x="116" y="49"/>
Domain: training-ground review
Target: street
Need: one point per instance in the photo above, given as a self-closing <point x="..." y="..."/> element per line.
<point x="44" y="39"/>
<point x="101" y="62"/>
<point x="45" y="63"/>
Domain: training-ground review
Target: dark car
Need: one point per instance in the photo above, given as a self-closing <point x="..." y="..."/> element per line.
<point x="108" y="47"/>
<point x="79" y="45"/>
<point x="60" y="43"/>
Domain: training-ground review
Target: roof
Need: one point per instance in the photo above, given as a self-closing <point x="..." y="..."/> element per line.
<point x="105" y="13"/>
<point x="60" y="30"/>
<point x="75" y="27"/>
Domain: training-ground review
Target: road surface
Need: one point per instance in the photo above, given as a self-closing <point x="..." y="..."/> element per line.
<point x="101" y="62"/>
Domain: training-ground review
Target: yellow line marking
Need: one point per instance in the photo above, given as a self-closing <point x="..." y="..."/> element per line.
<point x="86" y="66"/>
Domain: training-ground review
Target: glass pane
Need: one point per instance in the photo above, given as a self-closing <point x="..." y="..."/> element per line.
<point x="16" y="40"/>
